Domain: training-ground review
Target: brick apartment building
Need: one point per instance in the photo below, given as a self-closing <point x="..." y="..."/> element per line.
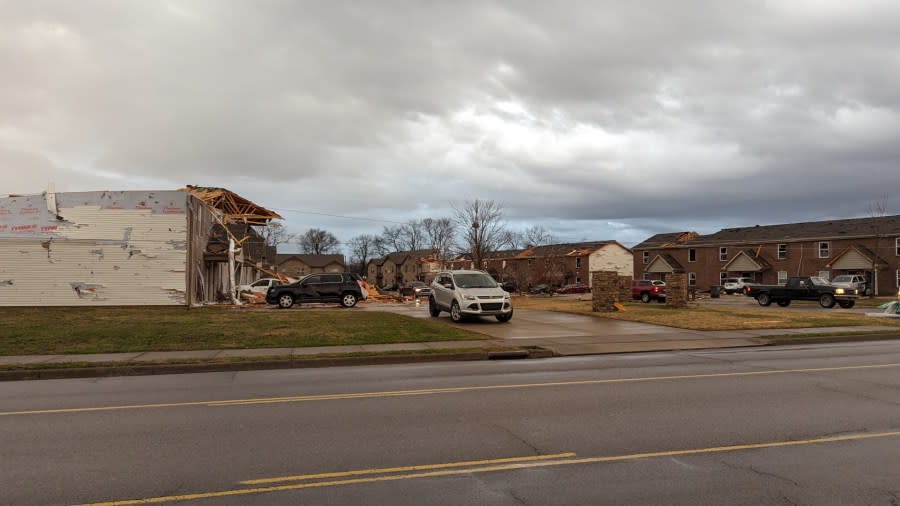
<point x="554" y="264"/>
<point x="298" y="265"/>
<point x="402" y="267"/>
<point x="770" y="254"/>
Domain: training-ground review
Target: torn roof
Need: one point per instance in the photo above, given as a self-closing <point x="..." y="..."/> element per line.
<point x="236" y="209"/>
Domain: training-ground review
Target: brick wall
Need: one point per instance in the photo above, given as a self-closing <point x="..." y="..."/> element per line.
<point x="676" y="289"/>
<point x="605" y="291"/>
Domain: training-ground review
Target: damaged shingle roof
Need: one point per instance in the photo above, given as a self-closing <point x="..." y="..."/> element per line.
<point x="887" y="225"/>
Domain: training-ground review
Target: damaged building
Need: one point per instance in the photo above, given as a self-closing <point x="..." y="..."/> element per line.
<point x="180" y="247"/>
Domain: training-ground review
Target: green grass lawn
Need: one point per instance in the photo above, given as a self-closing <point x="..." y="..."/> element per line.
<point x="48" y="330"/>
<point x="699" y="317"/>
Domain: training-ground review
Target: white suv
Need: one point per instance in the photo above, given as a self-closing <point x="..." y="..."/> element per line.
<point x="468" y="293"/>
<point x="733" y="285"/>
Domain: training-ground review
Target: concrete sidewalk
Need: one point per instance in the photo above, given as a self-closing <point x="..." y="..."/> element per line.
<point x="531" y="333"/>
<point x="632" y="338"/>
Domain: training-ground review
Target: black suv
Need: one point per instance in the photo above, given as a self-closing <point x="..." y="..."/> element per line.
<point x="323" y="287"/>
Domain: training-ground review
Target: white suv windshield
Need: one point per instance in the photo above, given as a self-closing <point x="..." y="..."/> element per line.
<point x="475" y="280"/>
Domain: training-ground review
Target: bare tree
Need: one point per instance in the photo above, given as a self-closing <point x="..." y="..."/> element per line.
<point x="276" y="234"/>
<point x="392" y="238"/>
<point x="362" y="249"/>
<point x="482" y="228"/>
<point x="380" y="247"/>
<point x="318" y="242"/>
<point x="536" y="236"/>
<point x="412" y="236"/>
<point x="439" y="235"/>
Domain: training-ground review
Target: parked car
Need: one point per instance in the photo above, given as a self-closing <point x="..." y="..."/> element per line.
<point x="259" y="286"/>
<point x="469" y="293"/>
<point x="646" y="290"/>
<point x="415" y="289"/>
<point x="736" y="285"/>
<point x="855" y="281"/>
<point x="574" y="288"/>
<point x="345" y="288"/>
<point x="543" y="288"/>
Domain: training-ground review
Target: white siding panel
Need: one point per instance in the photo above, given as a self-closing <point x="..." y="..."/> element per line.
<point x="852" y="260"/>
<point x="743" y="263"/>
<point x="99" y="257"/>
<point x="612" y="257"/>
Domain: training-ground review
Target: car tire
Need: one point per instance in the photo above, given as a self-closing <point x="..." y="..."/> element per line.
<point x="349" y="299"/>
<point x="503" y="318"/>
<point x="645" y="297"/>
<point x="455" y="313"/>
<point x="285" y="300"/>
<point x="433" y="308"/>
<point x="847" y="304"/>
<point x="827" y="301"/>
<point x="764" y="299"/>
<point x="784" y="303"/>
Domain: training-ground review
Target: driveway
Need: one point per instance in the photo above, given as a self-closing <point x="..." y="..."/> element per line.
<point x="572" y="334"/>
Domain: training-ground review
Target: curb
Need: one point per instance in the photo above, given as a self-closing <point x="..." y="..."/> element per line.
<point x="778" y="341"/>
<point x="259" y="365"/>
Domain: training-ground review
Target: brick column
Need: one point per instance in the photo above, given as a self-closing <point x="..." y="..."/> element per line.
<point x="624" y="288"/>
<point x="604" y="291"/>
<point x="676" y="289"/>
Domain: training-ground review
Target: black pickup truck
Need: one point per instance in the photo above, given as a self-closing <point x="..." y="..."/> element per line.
<point x="803" y="288"/>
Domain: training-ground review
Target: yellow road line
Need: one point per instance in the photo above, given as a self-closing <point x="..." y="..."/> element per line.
<point x="497" y="468"/>
<point x="423" y="467"/>
<point x="435" y="391"/>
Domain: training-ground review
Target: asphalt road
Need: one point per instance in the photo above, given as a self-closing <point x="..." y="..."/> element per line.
<point x="795" y="425"/>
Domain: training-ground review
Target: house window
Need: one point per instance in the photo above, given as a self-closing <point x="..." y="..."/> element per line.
<point x="826" y="275"/>
<point x="897" y="246"/>
<point x="646" y="257"/>
<point x="647" y="276"/>
<point x="577" y="279"/>
<point x="692" y="279"/>
<point x="723" y="253"/>
<point x="782" y="277"/>
<point x="824" y="249"/>
<point x="898" y="278"/>
<point x="782" y="251"/>
<point x="578" y="262"/>
<point x="722" y="276"/>
<point x="692" y="255"/>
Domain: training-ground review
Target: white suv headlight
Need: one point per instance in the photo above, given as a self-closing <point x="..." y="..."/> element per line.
<point x="470" y="297"/>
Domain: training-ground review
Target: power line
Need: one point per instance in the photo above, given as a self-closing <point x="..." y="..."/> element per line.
<point x="336" y="215"/>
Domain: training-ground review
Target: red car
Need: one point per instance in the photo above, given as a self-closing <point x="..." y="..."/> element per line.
<point x="646" y="290"/>
<point x="574" y="288"/>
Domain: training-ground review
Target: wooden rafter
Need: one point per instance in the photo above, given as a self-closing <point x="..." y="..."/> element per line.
<point x="236" y="209"/>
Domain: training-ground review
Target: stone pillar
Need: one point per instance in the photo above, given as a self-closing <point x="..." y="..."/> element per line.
<point x="604" y="291"/>
<point x="676" y="289"/>
<point x="624" y="288"/>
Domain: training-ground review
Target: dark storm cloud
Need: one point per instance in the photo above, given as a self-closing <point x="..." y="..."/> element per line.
<point x="600" y="119"/>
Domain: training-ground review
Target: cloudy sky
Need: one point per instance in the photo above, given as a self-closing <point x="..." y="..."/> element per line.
<point x="598" y="120"/>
